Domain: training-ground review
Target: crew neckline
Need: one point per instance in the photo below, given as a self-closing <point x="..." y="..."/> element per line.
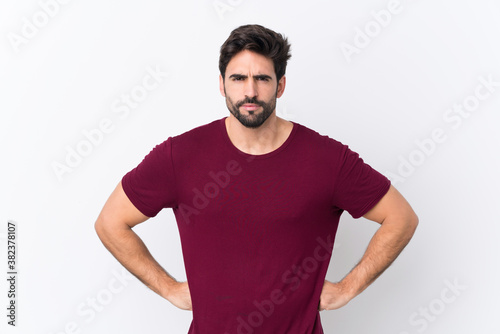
<point x="233" y="148"/>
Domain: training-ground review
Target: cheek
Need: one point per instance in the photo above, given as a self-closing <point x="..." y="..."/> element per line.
<point x="229" y="100"/>
<point x="231" y="93"/>
<point x="270" y="96"/>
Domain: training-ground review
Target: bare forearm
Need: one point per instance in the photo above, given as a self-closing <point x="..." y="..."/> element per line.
<point x="128" y="248"/>
<point x="385" y="246"/>
<point x="398" y="223"/>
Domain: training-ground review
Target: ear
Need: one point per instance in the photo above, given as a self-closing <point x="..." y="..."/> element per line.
<point x="221" y="85"/>
<point x="281" y="87"/>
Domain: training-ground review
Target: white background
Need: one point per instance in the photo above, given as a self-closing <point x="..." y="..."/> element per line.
<point x="395" y="91"/>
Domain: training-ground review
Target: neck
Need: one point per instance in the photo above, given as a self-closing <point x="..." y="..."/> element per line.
<point x="264" y="139"/>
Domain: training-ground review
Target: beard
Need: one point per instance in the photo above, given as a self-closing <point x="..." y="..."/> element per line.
<point x="255" y="118"/>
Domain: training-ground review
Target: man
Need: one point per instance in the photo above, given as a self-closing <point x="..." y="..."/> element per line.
<point x="257" y="200"/>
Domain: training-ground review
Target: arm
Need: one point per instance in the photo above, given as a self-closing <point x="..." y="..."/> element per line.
<point x="114" y="228"/>
<point x="398" y="223"/>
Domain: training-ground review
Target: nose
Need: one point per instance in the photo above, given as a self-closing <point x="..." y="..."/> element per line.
<point x="251" y="88"/>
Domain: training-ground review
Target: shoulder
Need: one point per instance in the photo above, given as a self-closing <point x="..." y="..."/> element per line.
<point x="199" y="136"/>
<point x="318" y="140"/>
<point x="200" y="131"/>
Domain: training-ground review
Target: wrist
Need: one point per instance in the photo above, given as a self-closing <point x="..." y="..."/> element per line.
<point x="348" y="289"/>
<point x="168" y="288"/>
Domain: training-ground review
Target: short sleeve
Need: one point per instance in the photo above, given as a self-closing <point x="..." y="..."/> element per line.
<point x="357" y="186"/>
<point x="151" y="185"/>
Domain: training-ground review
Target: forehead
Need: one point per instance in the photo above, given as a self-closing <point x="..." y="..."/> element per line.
<point x="251" y="62"/>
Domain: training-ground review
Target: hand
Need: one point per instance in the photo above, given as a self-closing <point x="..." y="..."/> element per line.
<point x="333" y="296"/>
<point x="180" y="296"/>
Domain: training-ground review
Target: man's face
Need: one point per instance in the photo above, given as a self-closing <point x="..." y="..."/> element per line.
<point x="251" y="88"/>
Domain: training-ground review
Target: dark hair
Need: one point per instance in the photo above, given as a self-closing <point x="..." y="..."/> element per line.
<point x="258" y="39"/>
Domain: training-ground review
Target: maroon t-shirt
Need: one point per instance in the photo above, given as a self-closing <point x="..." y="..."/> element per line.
<point x="257" y="231"/>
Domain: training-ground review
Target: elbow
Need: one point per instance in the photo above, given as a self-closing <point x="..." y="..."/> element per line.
<point x="414" y="220"/>
<point x="412" y="223"/>
<point x="103" y="228"/>
<point x="99" y="227"/>
<point x="109" y="227"/>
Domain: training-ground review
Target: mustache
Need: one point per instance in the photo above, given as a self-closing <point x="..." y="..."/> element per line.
<point x="250" y="100"/>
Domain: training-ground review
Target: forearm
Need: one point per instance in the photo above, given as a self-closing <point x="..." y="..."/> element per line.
<point x="129" y="249"/>
<point x="384" y="247"/>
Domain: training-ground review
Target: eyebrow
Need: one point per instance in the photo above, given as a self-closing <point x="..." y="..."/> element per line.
<point x="258" y="76"/>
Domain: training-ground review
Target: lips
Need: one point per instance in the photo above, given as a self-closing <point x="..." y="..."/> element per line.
<point x="250" y="107"/>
